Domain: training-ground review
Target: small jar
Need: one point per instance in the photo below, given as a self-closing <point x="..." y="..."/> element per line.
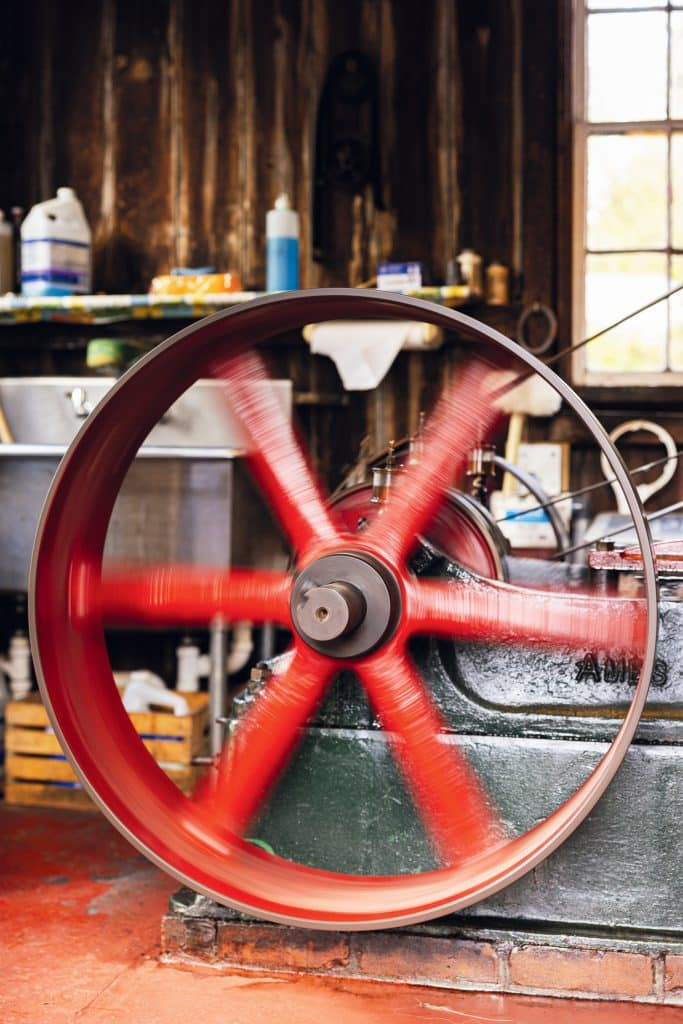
<point x="497" y="284"/>
<point x="469" y="264"/>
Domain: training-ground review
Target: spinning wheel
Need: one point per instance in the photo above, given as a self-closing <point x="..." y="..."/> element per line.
<point x="351" y="602"/>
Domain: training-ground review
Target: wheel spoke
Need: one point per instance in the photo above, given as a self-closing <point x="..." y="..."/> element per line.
<point x="256" y="753"/>
<point x="456" y="810"/>
<point x="461" y="420"/>
<point x="276" y="457"/>
<point x="489" y="610"/>
<point x="168" y="595"/>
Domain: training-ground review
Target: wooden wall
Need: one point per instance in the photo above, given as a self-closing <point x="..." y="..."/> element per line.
<point x="178" y="122"/>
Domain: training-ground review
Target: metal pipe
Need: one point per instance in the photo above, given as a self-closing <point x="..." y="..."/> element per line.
<point x="218" y="646"/>
<point x="531" y="484"/>
<point x="267" y="641"/>
<point x="241" y="647"/>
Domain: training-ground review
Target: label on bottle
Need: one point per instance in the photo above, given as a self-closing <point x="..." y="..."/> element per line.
<point x="54" y="266"/>
<point x="282" y="264"/>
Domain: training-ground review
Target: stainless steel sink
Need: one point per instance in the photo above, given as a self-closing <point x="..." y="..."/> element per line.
<point x="179" y="497"/>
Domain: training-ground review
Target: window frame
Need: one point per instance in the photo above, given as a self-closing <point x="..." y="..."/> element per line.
<point x="582" y="129"/>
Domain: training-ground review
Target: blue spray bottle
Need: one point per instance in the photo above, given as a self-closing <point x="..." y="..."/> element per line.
<point x="282" y="246"/>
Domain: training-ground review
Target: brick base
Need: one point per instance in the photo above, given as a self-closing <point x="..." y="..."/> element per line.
<point x="579" y="967"/>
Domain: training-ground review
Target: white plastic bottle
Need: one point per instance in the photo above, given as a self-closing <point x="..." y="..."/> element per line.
<point x="282" y="246"/>
<point x="6" y="256"/>
<point x="56" y="250"/>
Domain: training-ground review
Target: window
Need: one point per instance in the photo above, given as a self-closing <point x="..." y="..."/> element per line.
<point x="628" y="185"/>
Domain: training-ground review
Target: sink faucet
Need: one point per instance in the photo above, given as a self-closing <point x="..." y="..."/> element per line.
<point x="79" y="400"/>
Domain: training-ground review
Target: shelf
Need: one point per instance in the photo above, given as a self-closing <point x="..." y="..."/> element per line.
<point x="112" y="309"/>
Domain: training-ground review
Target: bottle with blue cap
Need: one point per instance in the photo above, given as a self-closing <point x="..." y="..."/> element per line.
<point x="282" y="246"/>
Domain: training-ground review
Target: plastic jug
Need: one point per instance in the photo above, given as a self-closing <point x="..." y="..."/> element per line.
<point x="56" y="252"/>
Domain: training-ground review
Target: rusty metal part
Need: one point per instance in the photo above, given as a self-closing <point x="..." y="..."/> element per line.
<point x="480" y="470"/>
<point x="668" y="557"/>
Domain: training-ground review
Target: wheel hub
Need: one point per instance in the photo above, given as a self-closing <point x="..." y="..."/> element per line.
<point x="345" y="605"/>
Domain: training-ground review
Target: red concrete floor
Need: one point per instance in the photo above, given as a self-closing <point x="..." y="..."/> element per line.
<point x="80" y="915"/>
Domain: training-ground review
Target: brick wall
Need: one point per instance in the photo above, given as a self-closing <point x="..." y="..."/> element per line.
<point x="588" y="968"/>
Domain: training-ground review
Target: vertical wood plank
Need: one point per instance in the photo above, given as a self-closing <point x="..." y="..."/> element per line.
<point x="209" y="183"/>
<point x="74" y="140"/>
<point x="242" y="201"/>
<point x="178" y="181"/>
<point x="105" y="228"/>
<point x="221" y="140"/>
<point x="382" y="235"/>
<point x="447" y="138"/>
<point x="311" y="64"/>
<point x="143" y="240"/>
<point x="20" y="104"/>
<point x="541" y="61"/>
<point x="196" y="143"/>
<point x="485" y="30"/>
<point x="281" y="163"/>
<point x="269" y="74"/>
<point x="45" y="154"/>
<point x="413" y="169"/>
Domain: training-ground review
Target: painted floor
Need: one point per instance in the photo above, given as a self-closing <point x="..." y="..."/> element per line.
<point x="79" y="931"/>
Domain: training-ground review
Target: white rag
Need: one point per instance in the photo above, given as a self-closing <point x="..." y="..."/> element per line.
<point x="364" y="350"/>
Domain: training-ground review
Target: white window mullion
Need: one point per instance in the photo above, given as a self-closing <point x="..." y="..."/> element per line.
<point x="648" y="160"/>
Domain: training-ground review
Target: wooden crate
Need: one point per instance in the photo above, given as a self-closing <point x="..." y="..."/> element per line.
<point x="38" y="773"/>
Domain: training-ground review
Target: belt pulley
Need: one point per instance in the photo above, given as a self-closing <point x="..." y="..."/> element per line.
<point x="351" y="601"/>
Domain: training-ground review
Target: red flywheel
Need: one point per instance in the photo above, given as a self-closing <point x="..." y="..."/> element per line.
<point x="350" y="602"/>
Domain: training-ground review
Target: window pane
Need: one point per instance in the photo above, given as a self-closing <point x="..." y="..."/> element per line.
<point x="626" y="202"/>
<point x="676" y="315"/>
<point x="627" y="66"/>
<point x="677" y="65"/>
<point x="616" y="285"/>
<point x="677" y="190"/>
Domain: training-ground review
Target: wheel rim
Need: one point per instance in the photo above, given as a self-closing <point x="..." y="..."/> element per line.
<point x="181" y="835"/>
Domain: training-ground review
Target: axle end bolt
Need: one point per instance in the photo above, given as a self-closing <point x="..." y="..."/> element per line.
<point x="330" y="611"/>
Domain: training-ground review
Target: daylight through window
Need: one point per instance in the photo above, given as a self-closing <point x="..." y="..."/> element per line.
<point x="629" y="189"/>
